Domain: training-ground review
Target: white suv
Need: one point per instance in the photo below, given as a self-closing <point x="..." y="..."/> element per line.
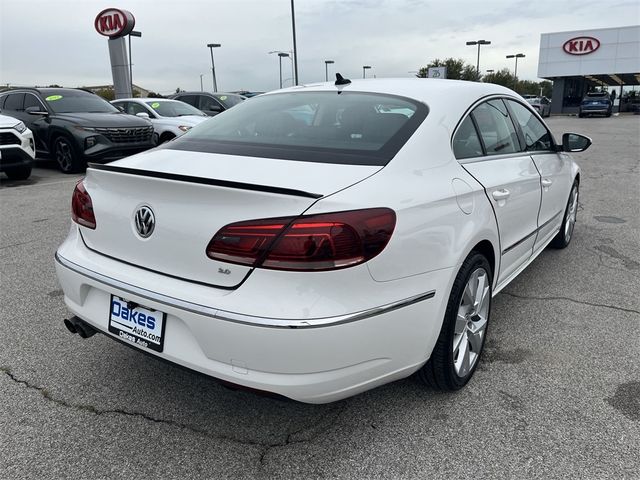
<point x="170" y="118"/>
<point x="16" y="148"/>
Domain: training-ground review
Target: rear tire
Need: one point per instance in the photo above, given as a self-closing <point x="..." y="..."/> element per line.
<point x="66" y="155"/>
<point x="457" y="352"/>
<point x="19" y="173"/>
<point x="564" y="236"/>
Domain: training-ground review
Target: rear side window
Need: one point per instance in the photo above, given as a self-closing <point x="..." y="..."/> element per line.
<point x="14" y="101"/>
<point x="466" y="143"/>
<point x="496" y="129"/>
<point x="326" y="127"/>
<point x="536" y="135"/>
<point x="190" y="99"/>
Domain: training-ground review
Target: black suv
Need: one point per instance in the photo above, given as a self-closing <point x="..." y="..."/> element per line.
<point x="209" y="103"/>
<point x="75" y="126"/>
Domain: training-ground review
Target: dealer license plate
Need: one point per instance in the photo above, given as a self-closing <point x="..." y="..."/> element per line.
<point x="137" y="324"/>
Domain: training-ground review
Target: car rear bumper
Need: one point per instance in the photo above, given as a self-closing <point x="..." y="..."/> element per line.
<point x="314" y="360"/>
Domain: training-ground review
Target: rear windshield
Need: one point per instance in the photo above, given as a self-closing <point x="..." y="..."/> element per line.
<point x="326" y="127"/>
<point x="76" y="101"/>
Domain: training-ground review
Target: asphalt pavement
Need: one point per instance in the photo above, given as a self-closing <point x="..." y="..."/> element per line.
<point x="557" y="394"/>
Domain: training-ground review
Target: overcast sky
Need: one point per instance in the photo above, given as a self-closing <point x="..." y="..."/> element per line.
<point x="54" y="41"/>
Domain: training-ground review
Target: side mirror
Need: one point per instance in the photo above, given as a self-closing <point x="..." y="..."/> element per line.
<point x="574" y="142"/>
<point x="214" y="109"/>
<point x="36" y="111"/>
<point x="142" y="115"/>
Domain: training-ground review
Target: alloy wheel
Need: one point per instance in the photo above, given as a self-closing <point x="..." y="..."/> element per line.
<point x="572" y="211"/>
<point x="64" y="154"/>
<point x="471" y="322"/>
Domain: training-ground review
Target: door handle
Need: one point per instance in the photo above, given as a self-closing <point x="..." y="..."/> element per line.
<point x="501" y="194"/>
<point x="546" y="182"/>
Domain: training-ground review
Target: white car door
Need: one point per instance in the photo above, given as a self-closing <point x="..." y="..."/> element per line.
<point x="509" y="177"/>
<point x="554" y="168"/>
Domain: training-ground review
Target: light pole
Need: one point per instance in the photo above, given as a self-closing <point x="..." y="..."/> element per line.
<point x="213" y="68"/>
<point x="201" y="87"/>
<point x="295" y="48"/>
<point x="479" y="42"/>
<point x="281" y="55"/>
<point x="515" y="73"/>
<point x="326" y="69"/>
<point x="132" y="33"/>
<point x="364" y="70"/>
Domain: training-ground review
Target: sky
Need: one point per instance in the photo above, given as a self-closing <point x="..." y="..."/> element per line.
<point x="46" y="42"/>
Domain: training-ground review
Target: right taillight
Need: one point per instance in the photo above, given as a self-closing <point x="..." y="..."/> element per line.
<point x="308" y="243"/>
<point x="82" y="207"/>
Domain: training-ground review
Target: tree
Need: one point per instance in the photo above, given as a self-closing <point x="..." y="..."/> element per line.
<point x="457" y="69"/>
<point x="106" y="93"/>
<point x="155" y="95"/>
<point x="502" y="77"/>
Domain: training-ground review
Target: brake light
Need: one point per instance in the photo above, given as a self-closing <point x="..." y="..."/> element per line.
<point x="82" y="207"/>
<point x="314" y="242"/>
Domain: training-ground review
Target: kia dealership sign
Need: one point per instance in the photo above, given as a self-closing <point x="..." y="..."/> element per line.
<point x="581" y="45"/>
<point x="114" y="23"/>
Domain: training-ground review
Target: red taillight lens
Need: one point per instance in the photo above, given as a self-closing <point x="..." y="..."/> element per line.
<point x="82" y="208"/>
<point x="314" y="242"/>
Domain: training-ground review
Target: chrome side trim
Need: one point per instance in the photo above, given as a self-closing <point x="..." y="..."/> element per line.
<point x="508" y="249"/>
<point x="239" y="317"/>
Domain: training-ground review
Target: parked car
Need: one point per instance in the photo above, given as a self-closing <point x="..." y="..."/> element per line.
<point x="170" y="118"/>
<point x="17" y="150"/>
<point x="598" y="103"/>
<point x="318" y="260"/>
<point x="541" y="104"/>
<point x="209" y="103"/>
<point x="76" y="126"/>
<point x="247" y="93"/>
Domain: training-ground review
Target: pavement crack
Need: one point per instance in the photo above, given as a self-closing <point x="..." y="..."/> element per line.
<point x="98" y="412"/>
<point x="528" y="297"/>
<point x="325" y="423"/>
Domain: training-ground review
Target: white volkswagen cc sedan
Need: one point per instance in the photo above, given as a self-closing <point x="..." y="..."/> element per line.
<point x="319" y="241"/>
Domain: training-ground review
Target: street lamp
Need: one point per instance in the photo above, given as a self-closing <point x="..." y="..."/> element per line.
<point x="201" y="87"/>
<point x="364" y="70"/>
<point x="132" y="33"/>
<point x="281" y="55"/>
<point x="326" y="69"/>
<point x="295" y="48"/>
<point x="213" y="68"/>
<point x="479" y="42"/>
<point x="515" y="73"/>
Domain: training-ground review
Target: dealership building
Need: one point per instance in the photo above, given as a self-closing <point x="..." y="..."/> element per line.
<point x="581" y="61"/>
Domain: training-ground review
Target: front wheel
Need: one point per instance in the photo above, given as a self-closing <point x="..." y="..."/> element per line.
<point x="562" y="239"/>
<point x="67" y="156"/>
<point x="19" y="173"/>
<point x="461" y="340"/>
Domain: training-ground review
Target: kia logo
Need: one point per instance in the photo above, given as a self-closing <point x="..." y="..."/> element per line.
<point x="581" y="45"/>
<point x="145" y="221"/>
<point x="114" y="23"/>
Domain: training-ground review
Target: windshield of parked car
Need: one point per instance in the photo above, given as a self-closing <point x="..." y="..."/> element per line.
<point x="534" y="100"/>
<point x="166" y="108"/>
<point x="230" y="100"/>
<point x="327" y="127"/>
<point x="76" y="101"/>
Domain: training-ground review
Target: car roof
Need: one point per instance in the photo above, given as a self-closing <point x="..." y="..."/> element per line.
<point x="205" y="93"/>
<point x="145" y="99"/>
<point x="449" y="98"/>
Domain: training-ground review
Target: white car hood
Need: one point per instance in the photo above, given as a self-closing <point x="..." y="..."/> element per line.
<point x="186" y="120"/>
<point x="8" y="122"/>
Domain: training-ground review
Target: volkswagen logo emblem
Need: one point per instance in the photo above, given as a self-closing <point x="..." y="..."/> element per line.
<point x="145" y="221"/>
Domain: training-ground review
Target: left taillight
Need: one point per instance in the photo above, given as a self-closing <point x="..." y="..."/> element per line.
<point x="82" y="207"/>
<point x="308" y="243"/>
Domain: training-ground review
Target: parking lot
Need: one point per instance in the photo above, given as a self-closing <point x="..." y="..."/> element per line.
<point x="557" y="393"/>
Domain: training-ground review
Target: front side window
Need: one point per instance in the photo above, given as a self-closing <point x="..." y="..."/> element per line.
<point x="466" y="143"/>
<point x="536" y="135"/>
<point x="32" y="101"/>
<point x="170" y="108"/>
<point x="14" y="101"/>
<point x="190" y="99"/>
<point x="496" y="129"/>
<point x="208" y="103"/>
<point x="327" y="127"/>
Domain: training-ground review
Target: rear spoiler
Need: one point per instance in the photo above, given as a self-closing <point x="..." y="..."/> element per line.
<point x="203" y="181"/>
